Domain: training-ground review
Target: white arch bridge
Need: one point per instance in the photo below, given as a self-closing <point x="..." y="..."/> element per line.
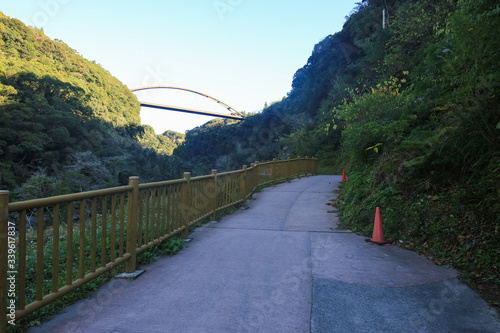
<point x="233" y="113"/>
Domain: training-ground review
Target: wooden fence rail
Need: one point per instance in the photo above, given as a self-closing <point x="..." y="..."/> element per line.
<point x="92" y="232"/>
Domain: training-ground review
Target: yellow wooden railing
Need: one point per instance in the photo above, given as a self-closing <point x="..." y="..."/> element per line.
<point x="92" y="232"/>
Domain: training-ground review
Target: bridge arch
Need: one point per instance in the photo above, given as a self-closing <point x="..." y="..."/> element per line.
<point x="234" y="113"/>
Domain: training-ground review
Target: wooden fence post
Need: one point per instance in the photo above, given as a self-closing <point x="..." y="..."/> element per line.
<point x="288" y="169"/>
<point x="243" y="185"/>
<point x="4" y="227"/>
<point x="130" y="264"/>
<point x="251" y="183"/>
<point x="275" y="171"/>
<point x="299" y="167"/>
<point x="214" y="202"/>
<point x="186" y="205"/>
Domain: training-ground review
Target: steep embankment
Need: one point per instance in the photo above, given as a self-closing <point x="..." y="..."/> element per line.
<point x="423" y="142"/>
<point x="66" y="124"/>
<point x="411" y="112"/>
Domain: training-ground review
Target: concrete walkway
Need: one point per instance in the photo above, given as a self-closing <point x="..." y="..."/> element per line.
<point x="283" y="266"/>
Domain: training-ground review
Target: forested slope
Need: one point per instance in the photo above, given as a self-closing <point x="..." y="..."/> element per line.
<point x="411" y="112"/>
<point x="66" y="124"/>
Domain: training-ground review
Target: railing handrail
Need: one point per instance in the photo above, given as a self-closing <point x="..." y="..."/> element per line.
<point x="162" y="183"/>
<point x="65" y="198"/>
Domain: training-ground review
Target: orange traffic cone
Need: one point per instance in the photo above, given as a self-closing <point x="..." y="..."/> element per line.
<point x="378" y="231"/>
<point x="343" y="176"/>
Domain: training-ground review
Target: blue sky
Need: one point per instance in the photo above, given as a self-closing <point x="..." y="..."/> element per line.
<point x="243" y="52"/>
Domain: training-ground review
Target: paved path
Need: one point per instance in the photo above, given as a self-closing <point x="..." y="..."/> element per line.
<point x="283" y="266"/>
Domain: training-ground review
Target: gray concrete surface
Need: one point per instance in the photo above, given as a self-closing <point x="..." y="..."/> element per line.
<point x="283" y="266"/>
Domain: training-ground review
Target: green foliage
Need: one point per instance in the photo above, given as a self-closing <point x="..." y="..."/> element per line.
<point x="163" y="144"/>
<point x="415" y="26"/>
<point x="380" y="117"/>
<point x="168" y="247"/>
<point x="40" y="186"/>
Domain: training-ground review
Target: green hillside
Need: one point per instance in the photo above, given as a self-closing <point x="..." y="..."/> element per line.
<point x="411" y="112"/>
<point x="66" y="124"/>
